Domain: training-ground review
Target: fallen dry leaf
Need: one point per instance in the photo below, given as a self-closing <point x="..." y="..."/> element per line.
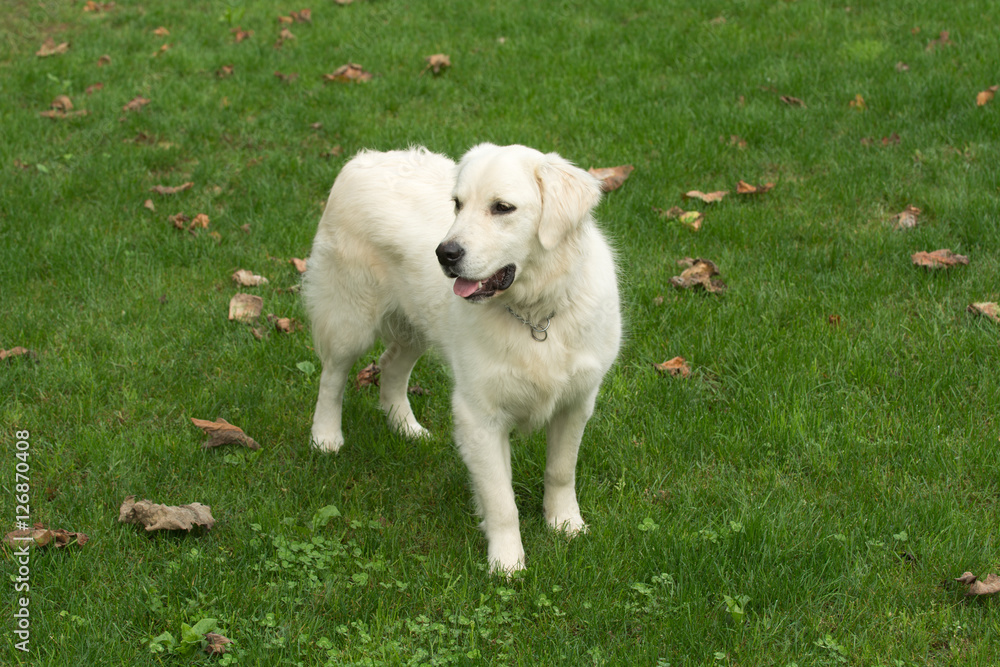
<point x="287" y="78"/>
<point x="436" y="63"/>
<point x="299" y="264"/>
<point x="40" y="536"/>
<point x="976" y="586"/>
<point x="707" y="197"/>
<point x="245" y="307"/>
<point x="833" y="320"/>
<point x="136" y="104"/>
<point x="611" y="178"/>
<point x="161" y="32"/>
<point x="792" y="101"/>
<point x="165" y="517"/>
<point x="735" y="140"/>
<point x="284" y="324"/>
<point x="938" y="259"/>
<point x="248" y="278"/>
<point x="200" y="221"/>
<point x="744" y="188"/>
<point x="987" y="309"/>
<point x="699" y="273"/>
<point x="692" y="219"/>
<point x="221" y="432"/>
<point x="858" y="103"/>
<point x="171" y="190"/>
<point x="93" y="88"/>
<point x="367" y="377"/>
<point x="179" y="220"/>
<point x="943" y="39"/>
<point x="224" y="71"/>
<point x="216" y="643"/>
<point x="17" y="351"/>
<point x="986" y="96"/>
<point x="104" y="60"/>
<point x="284" y="36"/>
<point x="50" y="48"/>
<point x="149" y="204"/>
<point x="240" y="34"/>
<point x="62" y="103"/>
<point x="336" y="151"/>
<point x="98" y="7"/>
<point x="162" y="49"/>
<point x="675" y="367"/>
<point x="302" y="16"/>
<point x="907" y="218"/>
<point x="348" y="73"/>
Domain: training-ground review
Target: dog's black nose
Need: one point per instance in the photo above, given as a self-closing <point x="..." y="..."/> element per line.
<point x="449" y="253"/>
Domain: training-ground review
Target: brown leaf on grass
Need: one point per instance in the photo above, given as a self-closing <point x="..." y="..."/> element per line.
<point x="938" y="259"/>
<point x="367" y="377"/>
<point x="302" y="16"/>
<point x="436" y="63"/>
<point x="165" y="517"/>
<point x="161" y="50"/>
<point x="136" y="104"/>
<point x="62" y="103"/>
<point x="692" y="219"/>
<point x="675" y="367"/>
<point x="611" y="178"/>
<point x="989" y="586"/>
<point x="104" y="60"/>
<point x="858" y="103"/>
<point x="833" y="320"/>
<point x="179" y="220"/>
<point x="62" y="107"/>
<point x="161" y="31"/>
<point x="40" y="536"/>
<point x="201" y="221"/>
<point x="216" y="643"/>
<point x="287" y="78"/>
<point x="149" y="204"/>
<point x="246" y="278"/>
<point x="699" y="273"/>
<point x="284" y="324"/>
<point x="50" y="48"/>
<point x="93" y="88"/>
<point x="221" y="432"/>
<point x="171" y="190"/>
<point x="17" y="351"/>
<point x="707" y="197"/>
<point x="224" y="71"/>
<point x="792" y="101"/>
<point x="245" y="307"/>
<point x="943" y="39"/>
<point x="907" y="218"/>
<point x="348" y="73"/>
<point x="284" y="36"/>
<point x="986" y="96"/>
<point x="987" y="309"/>
<point x="299" y="264"/>
<point x="98" y="7"/>
<point x="335" y="151"/>
<point x="891" y="140"/>
<point x="240" y="34"/>
<point x="744" y="188"/>
<point x="735" y="140"/>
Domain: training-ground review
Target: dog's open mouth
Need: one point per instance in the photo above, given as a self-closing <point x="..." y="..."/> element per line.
<point x="475" y="290"/>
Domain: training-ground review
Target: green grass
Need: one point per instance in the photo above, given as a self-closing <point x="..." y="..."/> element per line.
<point x="829" y="481"/>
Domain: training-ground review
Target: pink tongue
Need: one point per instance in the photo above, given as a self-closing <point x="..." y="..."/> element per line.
<point x="464" y="287"/>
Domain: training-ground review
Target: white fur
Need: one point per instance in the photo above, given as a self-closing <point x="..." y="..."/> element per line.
<point x="373" y="273"/>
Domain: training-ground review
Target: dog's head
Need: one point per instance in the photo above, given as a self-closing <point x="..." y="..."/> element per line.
<point x="511" y="203"/>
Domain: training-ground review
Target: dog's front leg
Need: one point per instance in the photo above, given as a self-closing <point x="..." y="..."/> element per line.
<point x="563" y="444"/>
<point x="485" y="448"/>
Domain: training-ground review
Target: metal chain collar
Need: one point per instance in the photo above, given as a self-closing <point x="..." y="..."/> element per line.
<point x="539" y="333"/>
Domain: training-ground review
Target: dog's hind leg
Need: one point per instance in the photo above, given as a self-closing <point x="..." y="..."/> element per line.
<point x="396" y="364"/>
<point x="339" y="343"/>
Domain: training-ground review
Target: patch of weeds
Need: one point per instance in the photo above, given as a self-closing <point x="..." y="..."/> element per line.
<point x="654" y="597"/>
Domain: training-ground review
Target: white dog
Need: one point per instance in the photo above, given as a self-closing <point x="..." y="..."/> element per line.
<point x="498" y="264"/>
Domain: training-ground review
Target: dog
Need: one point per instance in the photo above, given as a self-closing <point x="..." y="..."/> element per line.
<point x="498" y="264"/>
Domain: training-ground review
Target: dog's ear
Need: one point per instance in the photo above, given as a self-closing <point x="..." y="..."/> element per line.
<point x="568" y="195"/>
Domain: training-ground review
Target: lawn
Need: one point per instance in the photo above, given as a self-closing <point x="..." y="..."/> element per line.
<point x="806" y="496"/>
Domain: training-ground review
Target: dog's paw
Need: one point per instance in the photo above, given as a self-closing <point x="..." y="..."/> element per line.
<point x="571" y="526"/>
<point x="326" y="442"/>
<point x="414" y="431"/>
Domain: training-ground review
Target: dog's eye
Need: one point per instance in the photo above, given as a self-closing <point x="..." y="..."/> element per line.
<point x="458" y="204"/>
<point x="501" y="207"/>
